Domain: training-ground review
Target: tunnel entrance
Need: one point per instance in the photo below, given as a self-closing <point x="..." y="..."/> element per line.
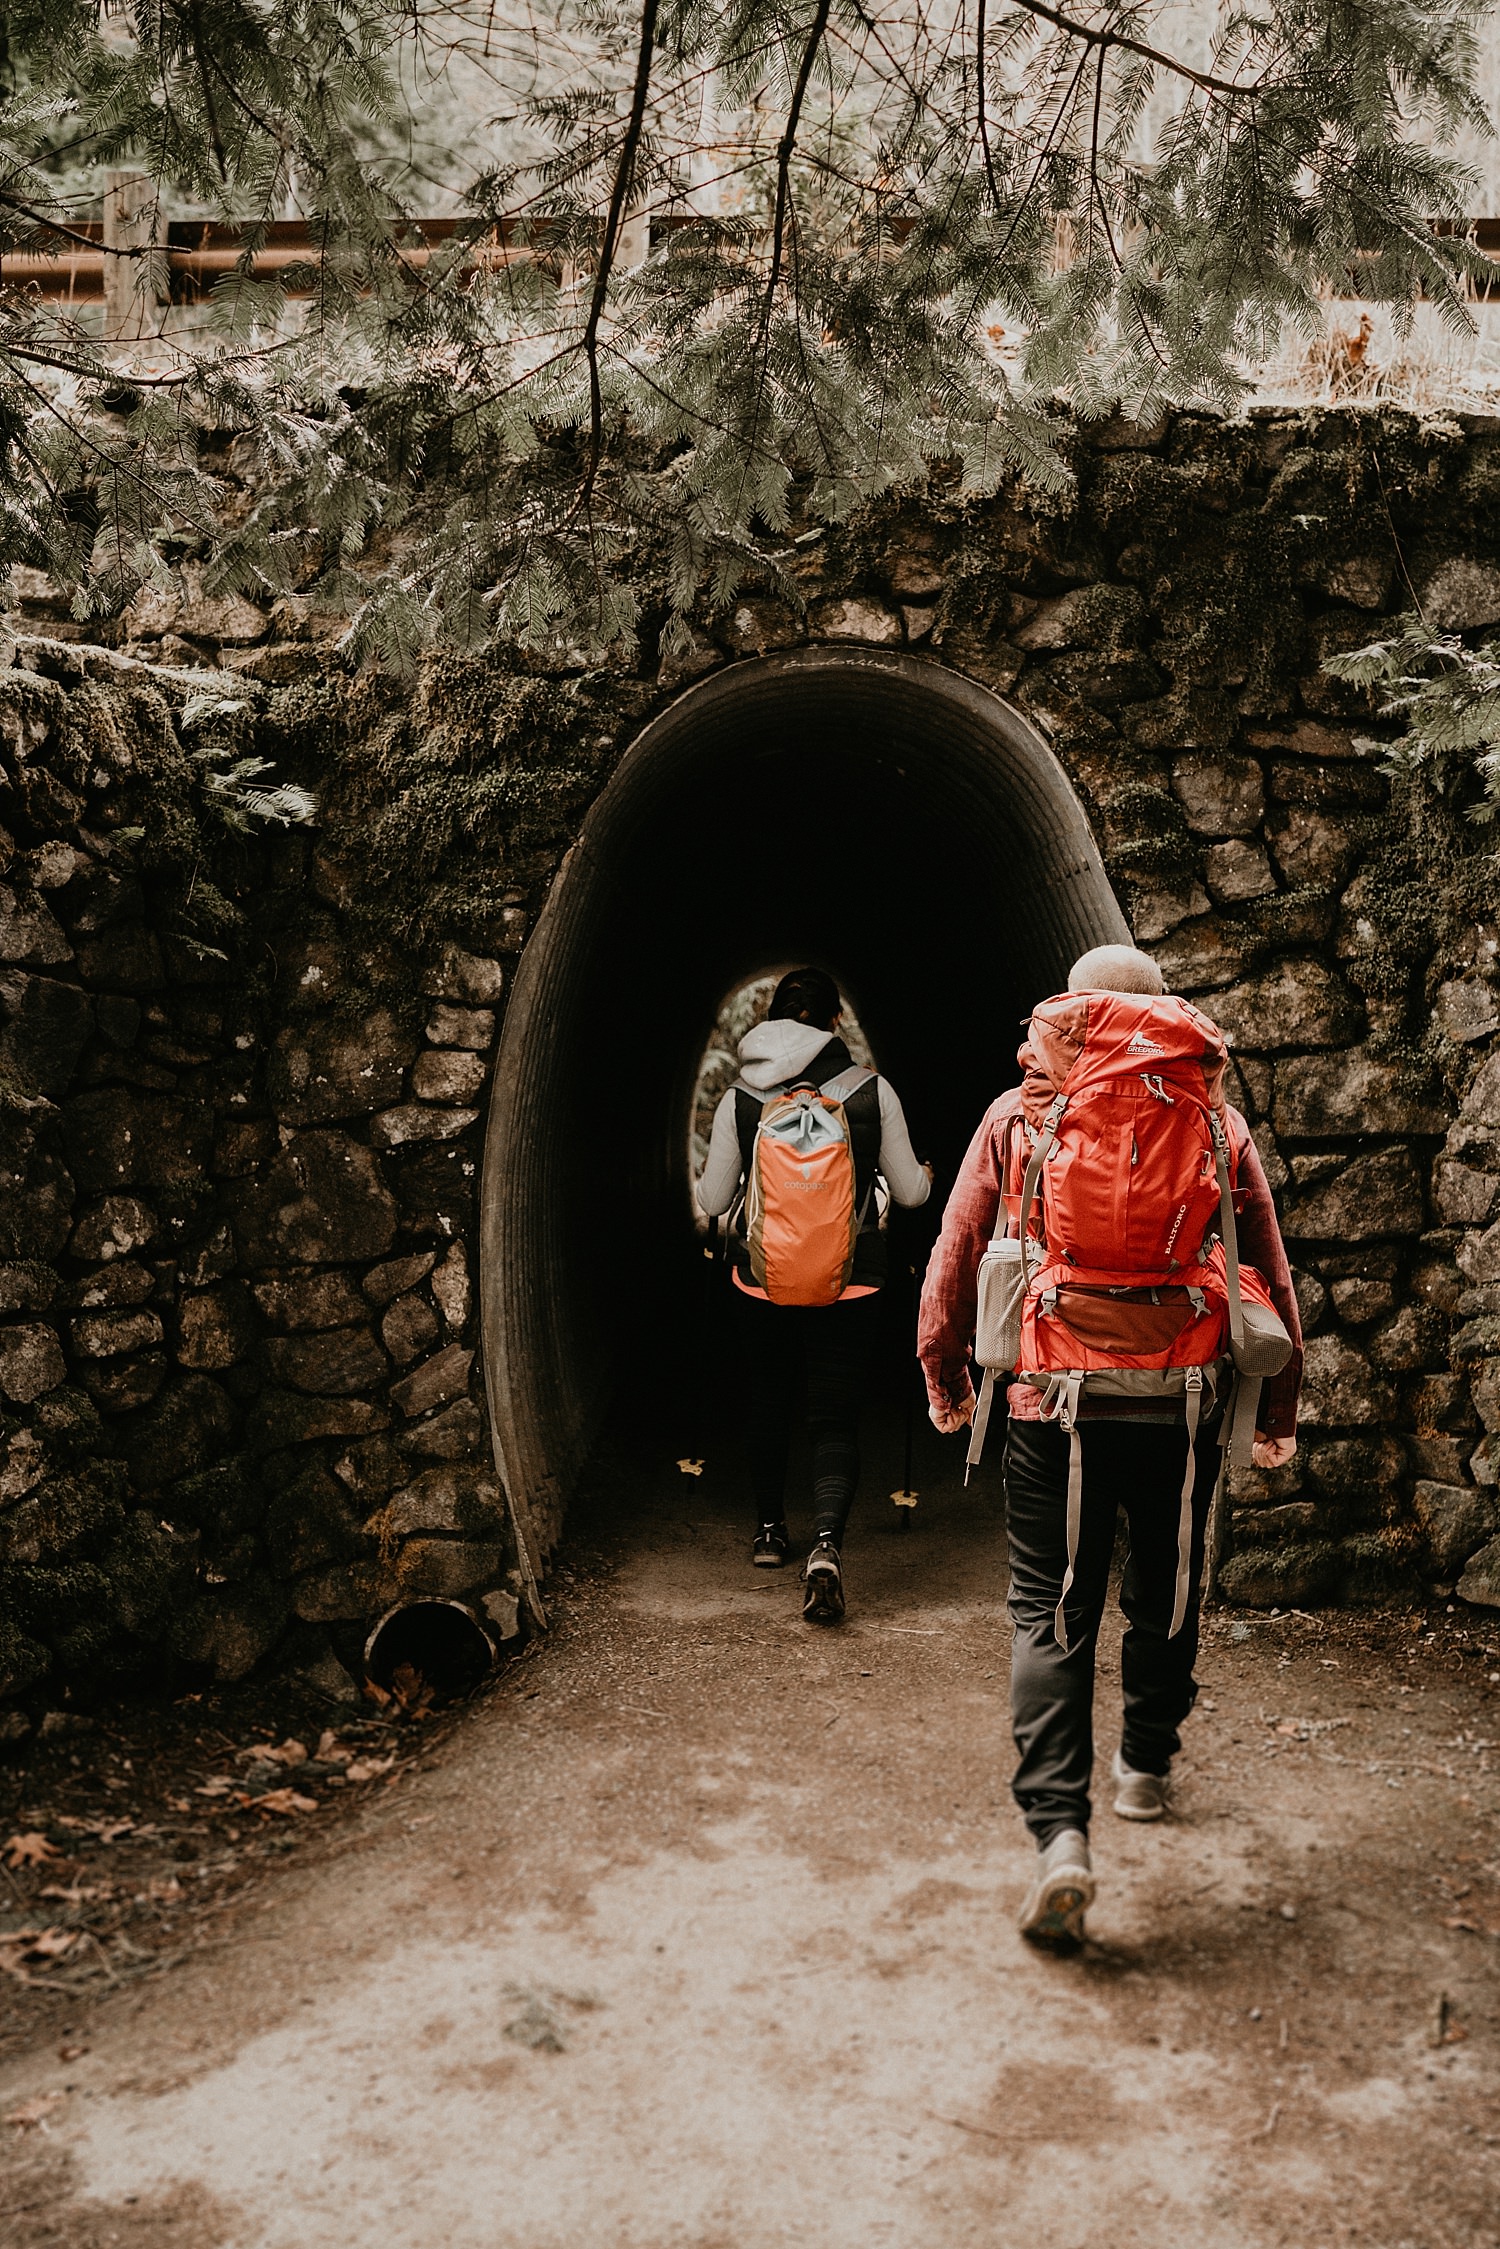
<point x="874" y="813"/>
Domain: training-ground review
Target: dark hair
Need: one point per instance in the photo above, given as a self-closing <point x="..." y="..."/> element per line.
<point x="805" y="995"/>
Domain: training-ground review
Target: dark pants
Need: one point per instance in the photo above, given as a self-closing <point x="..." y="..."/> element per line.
<point x="1138" y="1467"/>
<point x="820" y="1355"/>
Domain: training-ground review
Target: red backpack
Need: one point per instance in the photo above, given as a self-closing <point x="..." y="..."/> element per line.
<point x="1129" y="1282"/>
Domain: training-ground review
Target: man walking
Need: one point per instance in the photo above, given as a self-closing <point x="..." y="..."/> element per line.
<point x="1124" y="1397"/>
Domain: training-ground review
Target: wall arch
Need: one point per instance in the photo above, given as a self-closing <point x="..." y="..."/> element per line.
<point x="874" y="812"/>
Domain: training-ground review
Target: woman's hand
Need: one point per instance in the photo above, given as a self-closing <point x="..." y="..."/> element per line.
<point x="948" y="1420"/>
<point x="1272" y="1452"/>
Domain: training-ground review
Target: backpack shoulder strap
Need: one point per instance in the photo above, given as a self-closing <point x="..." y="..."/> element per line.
<point x="847" y="1082"/>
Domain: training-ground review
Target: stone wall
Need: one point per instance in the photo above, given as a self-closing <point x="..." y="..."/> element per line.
<point x="237" y="1358"/>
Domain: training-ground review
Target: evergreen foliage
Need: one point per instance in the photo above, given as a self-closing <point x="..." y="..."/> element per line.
<point x="1447" y="694"/>
<point x="882" y="243"/>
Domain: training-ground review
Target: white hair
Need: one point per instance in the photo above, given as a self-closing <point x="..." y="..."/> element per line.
<point x="1116" y="968"/>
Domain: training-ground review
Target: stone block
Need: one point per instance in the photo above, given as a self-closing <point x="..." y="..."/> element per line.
<point x="31" y="1363"/>
<point x="1462" y="594"/>
<point x="36" y="1199"/>
<point x="1484" y="1463"/>
<point x="1484" y="1389"/>
<point x="190" y="1425"/>
<point x="1373" y="1197"/>
<point x="1362" y="1473"/>
<point x="335" y="1363"/>
<point x="450" y="1285"/>
<point x="26" y="1288"/>
<point x="382" y="1282"/>
<point x="1346" y="787"/>
<point x="457" y="1433"/>
<point x="435" y="1188"/>
<point x="1358" y="1299"/>
<point x="1441" y="1402"/>
<point x="1465" y="1197"/>
<point x="409" y="1328"/>
<point x="398" y="1128"/>
<point x="1237" y="870"/>
<point x="322" y="1202"/>
<point x="1466" y="1009"/>
<point x="1205" y="954"/>
<point x="464" y="1502"/>
<point x="856" y="619"/>
<point x="310" y="1300"/>
<point x="233" y="1628"/>
<point x="1294" y="1003"/>
<point x="448" y="1074"/>
<point x="1312" y="1299"/>
<point x="123" y="1385"/>
<point x="30" y="935"/>
<point x="282" y="1417"/>
<point x="1480" y="1582"/>
<point x="350" y="1590"/>
<point x="1413" y="1342"/>
<point x="1340" y="1389"/>
<point x="216" y="1327"/>
<point x="442" y="1377"/>
<point x="1439" y="1458"/>
<point x="1337" y="1096"/>
<point x="1478" y="1256"/>
<point x="1221" y="796"/>
<point x="116" y="1227"/>
<point x="242" y="1145"/>
<point x="1283" y="1577"/>
<point x="1156" y="911"/>
<point x="1481" y="1103"/>
<point x="444" y="1569"/>
<point x="119" y="1137"/>
<point x="335" y="1069"/>
<point x="46" y="1028"/>
<point x="111" y="1335"/>
<point x="310" y="1524"/>
<point x="1456" y="1520"/>
<point x="466" y="977"/>
<point x="755" y="626"/>
<point x="126" y="957"/>
<point x="1312" y="851"/>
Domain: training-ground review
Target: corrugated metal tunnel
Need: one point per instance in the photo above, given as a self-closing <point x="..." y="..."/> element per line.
<point x="876" y="814"/>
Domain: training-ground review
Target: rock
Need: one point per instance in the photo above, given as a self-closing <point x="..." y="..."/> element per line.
<point x="504" y="1613"/>
<point x="26" y="1288"/>
<point x="1481" y="1104"/>
<point x="1373" y="1197"/>
<point x="433" y="1384"/>
<point x="310" y="1524"/>
<point x="110" y="1335"/>
<point x="310" y="1300"/>
<point x="1237" y="870"/>
<point x="31" y="1363"/>
<point x="29" y="932"/>
<point x="1480" y="1582"/>
<point x="1336" y="1096"/>
<point x="1294" y="1003"/>
<point x="448" y="1074"/>
<point x="396" y="1128"/>
<point x="335" y="1363"/>
<point x="185" y="609"/>
<point x="1478" y="1256"/>
<point x="1312" y="1299"/>
<point x="1414" y="1342"/>
<point x="322" y="1202"/>
<point x="1153" y="913"/>
<point x="1358" y="1300"/>
<point x="455" y="1434"/>
<point x="1312" y="851"/>
<point x="1362" y="1473"/>
<point x="353" y="1590"/>
<point x="1362" y="579"/>
<point x="1466" y="1009"/>
<point x="471" y="1027"/>
<point x="1335" y="787"/>
<point x="1203" y="954"/>
<point x="234" y="1628"/>
<point x="336" y="1069"/>
<point x="326" y="1676"/>
<point x="1484" y="1389"/>
<point x="917" y="573"/>
<point x="1457" y="1519"/>
<point x="14" y="1727"/>
<point x="282" y="1417"/>
<point x="36" y="1198"/>
<point x="1438" y="1458"/>
<point x="435" y="1188"/>
<point x="241" y="1145"/>
<point x="450" y="1285"/>
<point x="110" y="1286"/>
<point x="47" y="1025"/>
<point x="1484" y="1463"/>
<point x="468" y="977"/>
<point x="215" y="1328"/>
<point x="114" y="1228"/>
<point x="755" y="626"/>
<point x="1465" y="1197"/>
<point x="1461" y="595"/>
<point x="126" y="958"/>
<point x="119" y="1137"/>
<point x="382" y="1282"/>
<point x="190" y="1425"/>
<point x="1221" y="796"/>
<point x="1441" y="1402"/>
<point x="1339" y="1387"/>
<point x="442" y="1569"/>
<point x="409" y="1328"/>
<point x="463" y="1501"/>
<point x="1282" y="1577"/>
<point x="121" y="1385"/>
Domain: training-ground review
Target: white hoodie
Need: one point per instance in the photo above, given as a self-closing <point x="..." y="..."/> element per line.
<point x="769" y="1055"/>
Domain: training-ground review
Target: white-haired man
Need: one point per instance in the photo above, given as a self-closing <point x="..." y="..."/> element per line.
<point x="1134" y="1457"/>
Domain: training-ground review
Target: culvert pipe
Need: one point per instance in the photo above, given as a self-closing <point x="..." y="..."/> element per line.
<point x="875" y="813"/>
<point x="446" y="1643"/>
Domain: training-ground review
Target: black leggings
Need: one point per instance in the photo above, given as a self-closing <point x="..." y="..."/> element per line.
<point x="823" y="1352"/>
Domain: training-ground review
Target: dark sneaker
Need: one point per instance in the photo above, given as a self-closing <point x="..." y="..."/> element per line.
<point x="771" y="1547"/>
<point x="823" y="1578"/>
<point x="1061" y="1894"/>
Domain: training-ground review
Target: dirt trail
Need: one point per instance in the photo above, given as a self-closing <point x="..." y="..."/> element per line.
<point x="698" y="1935"/>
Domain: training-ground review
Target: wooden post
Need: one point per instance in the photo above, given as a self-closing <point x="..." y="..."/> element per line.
<point x="132" y="207"/>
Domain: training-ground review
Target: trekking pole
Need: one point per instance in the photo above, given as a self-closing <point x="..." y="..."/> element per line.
<point x="906" y="1499"/>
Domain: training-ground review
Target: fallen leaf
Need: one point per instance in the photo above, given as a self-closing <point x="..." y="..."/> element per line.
<point x="262" y="1753"/>
<point x="690" y="1467"/>
<point x="369" y="1768"/>
<point x="74" y="1895"/>
<point x="29" y="1850"/>
<point x="1457" y="1921"/>
<point x="53" y="1943"/>
<point x="220" y="1785"/>
<point x="331" y="1751"/>
<point x="284" y="1800"/>
<point x="35" y="2112"/>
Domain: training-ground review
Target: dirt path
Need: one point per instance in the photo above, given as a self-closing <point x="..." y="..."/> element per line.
<point x="698" y="1935"/>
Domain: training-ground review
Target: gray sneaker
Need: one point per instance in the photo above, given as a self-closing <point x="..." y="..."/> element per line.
<point x="1061" y="1894"/>
<point x="1140" y="1796"/>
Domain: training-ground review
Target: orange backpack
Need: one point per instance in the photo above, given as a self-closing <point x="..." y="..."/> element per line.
<point x="802" y="1218"/>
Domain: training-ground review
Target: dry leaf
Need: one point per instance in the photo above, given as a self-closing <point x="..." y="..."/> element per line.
<point x="74" y="1895"/>
<point x="35" y="2112"/>
<point x="220" y="1785"/>
<point x="369" y="1768"/>
<point x="283" y="1800"/>
<point x="331" y="1751"/>
<point x="262" y="1753"/>
<point x="29" y="1850"/>
<point x="690" y="1467"/>
<point x="53" y="1943"/>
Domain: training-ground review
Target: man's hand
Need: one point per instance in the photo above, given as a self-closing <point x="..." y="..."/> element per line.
<point x="1272" y="1452"/>
<point x="948" y="1420"/>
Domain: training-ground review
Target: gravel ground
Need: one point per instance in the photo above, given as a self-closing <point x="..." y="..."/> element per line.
<point x="696" y="1931"/>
